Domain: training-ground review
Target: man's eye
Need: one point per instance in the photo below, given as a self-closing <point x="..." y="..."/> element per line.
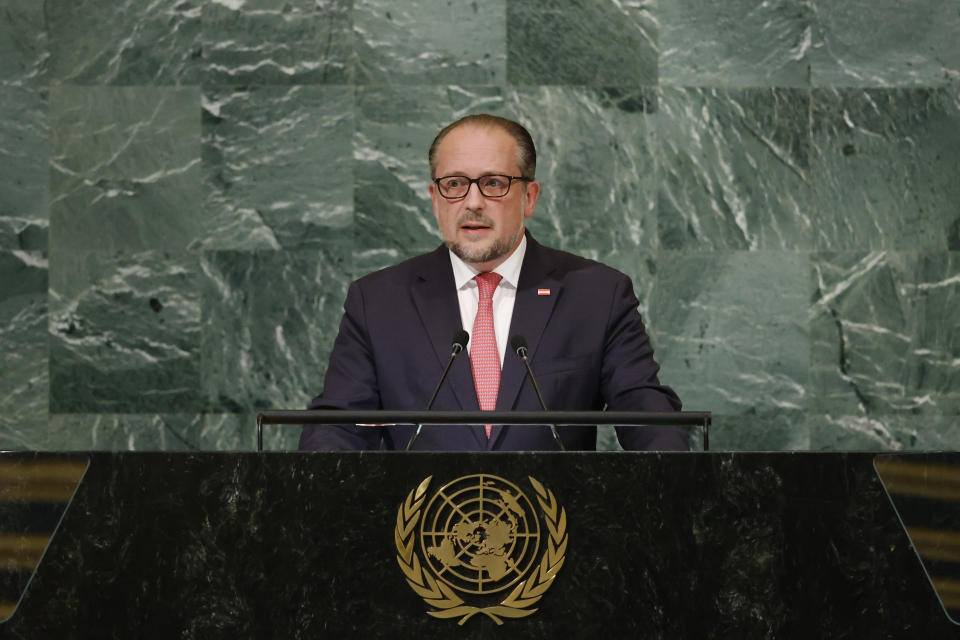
<point x="494" y="182"/>
<point x="453" y="183"/>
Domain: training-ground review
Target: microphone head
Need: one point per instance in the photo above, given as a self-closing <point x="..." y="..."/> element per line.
<point x="518" y="343"/>
<point x="460" y="339"/>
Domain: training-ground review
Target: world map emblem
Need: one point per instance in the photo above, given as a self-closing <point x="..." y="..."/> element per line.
<point x="479" y="545"/>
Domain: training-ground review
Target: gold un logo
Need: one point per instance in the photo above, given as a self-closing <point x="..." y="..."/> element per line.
<point x="475" y="546"/>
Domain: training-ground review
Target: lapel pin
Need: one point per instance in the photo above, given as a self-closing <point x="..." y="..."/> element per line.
<point x="543" y="292"/>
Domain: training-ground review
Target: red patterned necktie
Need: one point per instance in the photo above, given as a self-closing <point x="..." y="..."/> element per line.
<point x="484" y="358"/>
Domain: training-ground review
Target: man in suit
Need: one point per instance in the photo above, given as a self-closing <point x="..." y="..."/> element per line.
<point x="586" y="341"/>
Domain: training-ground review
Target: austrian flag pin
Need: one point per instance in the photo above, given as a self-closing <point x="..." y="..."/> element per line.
<point x="543" y="292"/>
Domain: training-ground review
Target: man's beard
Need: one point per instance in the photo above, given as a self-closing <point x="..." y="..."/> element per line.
<point x="478" y="255"/>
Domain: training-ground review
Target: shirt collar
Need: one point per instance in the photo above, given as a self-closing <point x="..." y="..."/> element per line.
<point x="463" y="273"/>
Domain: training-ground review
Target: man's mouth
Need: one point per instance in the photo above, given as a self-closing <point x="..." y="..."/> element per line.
<point x="474" y="224"/>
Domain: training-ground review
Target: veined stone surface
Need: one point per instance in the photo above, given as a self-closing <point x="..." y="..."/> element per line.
<point x="369" y="260"/>
<point x="788" y="430"/>
<point x="600" y="43"/>
<point x="204" y="178"/>
<point x="269" y="320"/>
<point x="24" y="153"/>
<point x="884" y="164"/>
<point x="735" y="169"/>
<point x="125" y="168"/>
<point x="596" y="164"/>
<point x="884" y="334"/>
<point x="24" y="43"/>
<point x="732" y="329"/>
<point x="158" y="432"/>
<point x="738" y="43"/>
<point x="803" y="43"/>
<point x="124" y="332"/>
<point x="885" y="43"/>
<point x="24" y="379"/>
<point x="265" y="42"/>
<point x="130" y="42"/>
<point x="430" y="42"/>
<point x="892" y="432"/>
<point x="276" y="166"/>
<point x="149" y="432"/>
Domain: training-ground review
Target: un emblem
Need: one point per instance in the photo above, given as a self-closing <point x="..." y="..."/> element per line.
<point x="475" y="546"/>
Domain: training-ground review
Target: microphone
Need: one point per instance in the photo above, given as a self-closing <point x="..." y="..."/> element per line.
<point x="460" y="339"/>
<point x="519" y="345"/>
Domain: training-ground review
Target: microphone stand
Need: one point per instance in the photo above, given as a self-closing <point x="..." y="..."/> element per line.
<point x="520" y="346"/>
<point x="459" y="344"/>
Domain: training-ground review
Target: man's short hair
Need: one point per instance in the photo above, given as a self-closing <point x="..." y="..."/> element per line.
<point x="526" y="151"/>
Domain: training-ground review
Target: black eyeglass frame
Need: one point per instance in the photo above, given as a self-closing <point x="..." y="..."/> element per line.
<point x="476" y="181"/>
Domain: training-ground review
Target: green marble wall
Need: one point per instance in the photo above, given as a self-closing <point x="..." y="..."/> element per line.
<point x="188" y="186"/>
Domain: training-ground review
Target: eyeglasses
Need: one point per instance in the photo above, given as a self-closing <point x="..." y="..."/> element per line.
<point x="457" y="187"/>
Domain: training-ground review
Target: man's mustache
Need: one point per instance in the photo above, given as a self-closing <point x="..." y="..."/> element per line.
<point x="478" y="219"/>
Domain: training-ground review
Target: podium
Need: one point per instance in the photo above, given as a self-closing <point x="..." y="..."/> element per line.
<point x="305" y="545"/>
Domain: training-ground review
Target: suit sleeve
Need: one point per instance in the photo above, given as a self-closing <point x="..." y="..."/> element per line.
<point x="629" y="379"/>
<point x="350" y="383"/>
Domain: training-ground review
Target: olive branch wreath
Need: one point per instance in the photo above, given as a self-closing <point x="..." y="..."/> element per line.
<point x="441" y="596"/>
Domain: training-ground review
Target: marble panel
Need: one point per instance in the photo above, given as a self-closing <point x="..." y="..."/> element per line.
<point x="125" y="170"/>
<point x="430" y="42"/>
<point x="885" y="433"/>
<point x="131" y="42"/>
<point x="601" y="43"/>
<point x="884" y="164"/>
<point x="148" y="432"/>
<point x="732" y="329"/>
<point x="884" y="338"/>
<point x="276" y="166"/>
<point x="269" y="322"/>
<point x="370" y="260"/>
<point x="267" y="42"/>
<point x="24" y="152"/>
<point x="738" y="43"/>
<point x="885" y="43"/>
<point x="596" y="164"/>
<point x="23" y="43"/>
<point x="735" y="169"/>
<point x="24" y="379"/>
<point x="640" y="266"/>
<point x="124" y="332"/>
<point x="394" y="129"/>
<point x="787" y="430"/>
<point x="607" y="439"/>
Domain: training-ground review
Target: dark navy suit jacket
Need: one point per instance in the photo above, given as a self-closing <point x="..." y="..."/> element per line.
<point x="587" y="346"/>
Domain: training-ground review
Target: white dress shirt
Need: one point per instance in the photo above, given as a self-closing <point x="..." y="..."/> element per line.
<point x="505" y="295"/>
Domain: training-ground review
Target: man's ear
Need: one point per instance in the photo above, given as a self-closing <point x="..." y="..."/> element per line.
<point x="433" y="200"/>
<point x="530" y="196"/>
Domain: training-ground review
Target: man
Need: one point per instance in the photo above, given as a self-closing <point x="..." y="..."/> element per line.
<point x="586" y="342"/>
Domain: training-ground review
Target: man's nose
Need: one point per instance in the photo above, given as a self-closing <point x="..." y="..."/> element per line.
<point x="474" y="199"/>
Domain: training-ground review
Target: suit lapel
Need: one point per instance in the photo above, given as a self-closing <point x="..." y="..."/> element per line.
<point x="435" y="297"/>
<point x="531" y="312"/>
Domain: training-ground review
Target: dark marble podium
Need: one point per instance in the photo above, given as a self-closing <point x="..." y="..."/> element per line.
<point x="685" y="545"/>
